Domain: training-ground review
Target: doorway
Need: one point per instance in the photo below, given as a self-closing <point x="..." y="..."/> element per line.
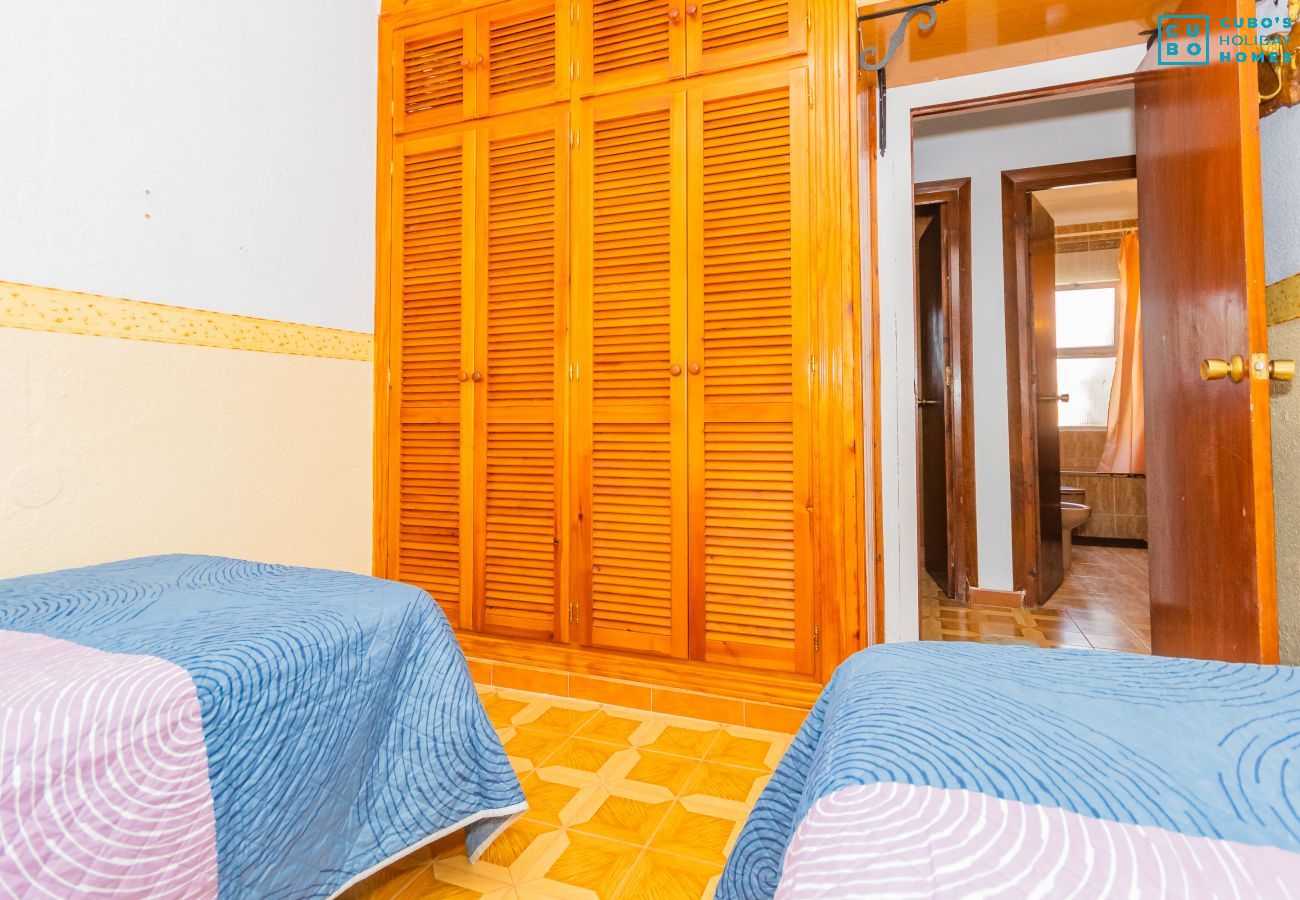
<point x="944" y="407"/>
<point x="1204" y="599"/>
<point x="1082" y="398"/>
<point x="1037" y="356"/>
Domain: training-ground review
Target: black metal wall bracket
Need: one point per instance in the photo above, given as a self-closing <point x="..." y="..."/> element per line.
<point x="870" y="59"/>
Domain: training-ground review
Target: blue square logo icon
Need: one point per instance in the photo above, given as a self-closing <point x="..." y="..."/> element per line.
<point x="1183" y="40"/>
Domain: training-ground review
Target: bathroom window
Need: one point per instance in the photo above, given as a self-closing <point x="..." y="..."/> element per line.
<point x="1086" y="325"/>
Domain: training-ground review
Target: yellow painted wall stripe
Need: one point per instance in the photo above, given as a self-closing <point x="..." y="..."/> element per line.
<point x="1284" y="300"/>
<point x="49" y="309"/>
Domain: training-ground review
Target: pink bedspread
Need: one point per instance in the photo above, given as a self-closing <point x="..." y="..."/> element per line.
<point x="898" y="840"/>
<point x="104" y="788"/>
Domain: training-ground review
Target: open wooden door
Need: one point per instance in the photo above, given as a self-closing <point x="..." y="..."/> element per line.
<point x="1209" y="477"/>
<point x="931" y="396"/>
<point x="1042" y="301"/>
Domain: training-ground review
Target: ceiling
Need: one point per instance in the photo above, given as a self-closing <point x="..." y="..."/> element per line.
<point x="982" y="35"/>
<point x="1109" y="201"/>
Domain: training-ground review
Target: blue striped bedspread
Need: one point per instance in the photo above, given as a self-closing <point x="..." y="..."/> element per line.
<point x="339" y="723"/>
<point x="955" y="770"/>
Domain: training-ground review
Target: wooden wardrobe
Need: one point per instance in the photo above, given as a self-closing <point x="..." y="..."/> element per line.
<point x="618" y="354"/>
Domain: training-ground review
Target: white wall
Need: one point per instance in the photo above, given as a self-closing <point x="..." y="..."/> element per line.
<point x="1280" y="158"/>
<point x="1280" y="152"/>
<point x="981" y="146"/>
<point x="212" y="155"/>
<point x="893" y="205"/>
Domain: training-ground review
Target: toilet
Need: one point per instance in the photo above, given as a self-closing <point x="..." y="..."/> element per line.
<point x="1074" y="514"/>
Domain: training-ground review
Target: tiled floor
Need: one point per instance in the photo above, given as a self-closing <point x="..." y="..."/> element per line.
<point x="622" y="804"/>
<point x="1102" y="604"/>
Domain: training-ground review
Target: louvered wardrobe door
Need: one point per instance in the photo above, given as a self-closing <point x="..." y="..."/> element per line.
<point x="431" y="403"/>
<point x="523" y="56"/>
<point x="749" y="287"/>
<point x="724" y="34"/>
<point x="630" y="342"/>
<point x="626" y="43"/>
<point x="433" y="73"/>
<point x="522" y="278"/>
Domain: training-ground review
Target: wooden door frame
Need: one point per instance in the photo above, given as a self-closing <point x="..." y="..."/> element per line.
<point x="953" y="196"/>
<point x="1022" y="408"/>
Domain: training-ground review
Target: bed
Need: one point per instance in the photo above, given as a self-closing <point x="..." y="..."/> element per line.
<point x="960" y="770"/>
<point x="193" y="726"/>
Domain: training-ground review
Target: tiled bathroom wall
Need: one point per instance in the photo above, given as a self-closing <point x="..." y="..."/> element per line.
<point x="1119" y="502"/>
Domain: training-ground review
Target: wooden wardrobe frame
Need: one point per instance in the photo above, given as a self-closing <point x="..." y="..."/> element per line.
<point x="847" y="571"/>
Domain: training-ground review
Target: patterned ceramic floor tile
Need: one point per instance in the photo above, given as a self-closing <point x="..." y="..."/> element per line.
<point x="547" y="799"/>
<point x="1101" y="605"/>
<point x="559" y="717"/>
<point x="595" y="864"/>
<point x="611" y="726"/>
<point x="746" y="747"/>
<point x="662" y="876"/>
<point x="528" y="749"/>
<point x="626" y="819"/>
<point x="699" y="828"/>
<point x="678" y="737"/>
<point x="725" y="782"/>
<point x="501" y="710"/>
<point x="622" y="804"/>
<point x="670" y="772"/>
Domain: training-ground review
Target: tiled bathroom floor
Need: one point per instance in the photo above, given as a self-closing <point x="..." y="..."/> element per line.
<point x="1102" y="605"/>
<point x="622" y="804"/>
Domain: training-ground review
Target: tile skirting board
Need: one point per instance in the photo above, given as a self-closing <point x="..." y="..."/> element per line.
<point x="70" y="312"/>
<point x="993" y="597"/>
<point x="637" y="695"/>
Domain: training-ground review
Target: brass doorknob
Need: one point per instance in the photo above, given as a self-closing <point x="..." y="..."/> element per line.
<point x="675" y="370"/>
<point x="1054" y="398"/>
<point x="1282" y="369"/>
<point x="462" y="376"/>
<point x="477" y="376"/>
<point x="694" y="368"/>
<point x="1218" y="369"/>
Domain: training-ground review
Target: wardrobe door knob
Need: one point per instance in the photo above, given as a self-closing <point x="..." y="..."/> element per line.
<point x="692" y="10"/>
<point x="477" y="376"/>
<point x="466" y="62"/>
<point x="462" y="376"/>
<point x="478" y="60"/>
<point x="675" y="370"/>
<point x="674" y="14"/>
<point x="695" y="368"/>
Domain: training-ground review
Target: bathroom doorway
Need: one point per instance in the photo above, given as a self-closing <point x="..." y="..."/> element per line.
<point x="1088" y="371"/>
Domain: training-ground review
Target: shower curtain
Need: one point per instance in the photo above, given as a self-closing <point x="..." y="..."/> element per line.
<point x="1125" y="451"/>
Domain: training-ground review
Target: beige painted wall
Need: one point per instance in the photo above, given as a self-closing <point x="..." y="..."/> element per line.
<point x="1284" y="343"/>
<point x="113" y="448"/>
<point x="1279" y="136"/>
